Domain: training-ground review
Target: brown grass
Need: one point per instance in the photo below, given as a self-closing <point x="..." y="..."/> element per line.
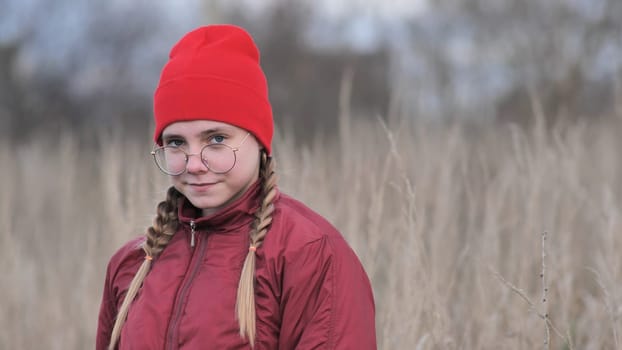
<point x="429" y="208"/>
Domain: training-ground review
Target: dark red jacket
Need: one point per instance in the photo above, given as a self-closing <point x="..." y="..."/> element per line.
<point x="311" y="291"/>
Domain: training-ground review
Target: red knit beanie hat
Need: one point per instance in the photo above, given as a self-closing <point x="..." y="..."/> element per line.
<point x="214" y="74"/>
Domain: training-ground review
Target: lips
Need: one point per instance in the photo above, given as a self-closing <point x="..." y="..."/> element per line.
<point x="201" y="186"/>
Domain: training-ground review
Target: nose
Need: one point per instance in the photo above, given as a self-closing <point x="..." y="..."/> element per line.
<point x="195" y="164"/>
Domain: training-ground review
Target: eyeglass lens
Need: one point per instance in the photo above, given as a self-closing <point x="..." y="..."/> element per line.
<point x="218" y="158"/>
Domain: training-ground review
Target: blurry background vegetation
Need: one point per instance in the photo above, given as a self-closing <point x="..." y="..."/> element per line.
<point x="88" y="64"/>
<point x="441" y="137"/>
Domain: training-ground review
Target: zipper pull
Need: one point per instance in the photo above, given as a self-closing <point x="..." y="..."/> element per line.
<point x="192" y="233"/>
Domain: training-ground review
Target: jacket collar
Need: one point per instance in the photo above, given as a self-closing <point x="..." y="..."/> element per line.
<point x="239" y="212"/>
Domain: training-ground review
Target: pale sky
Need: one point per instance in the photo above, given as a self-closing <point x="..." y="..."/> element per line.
<point x="57" y="43"/>
<point x="334" y="9"/>
<point x="384" y="9"/>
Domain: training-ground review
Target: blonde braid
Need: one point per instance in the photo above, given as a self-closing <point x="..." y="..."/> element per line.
<point x="158" y="236"/>
<point x="245" y="303"/>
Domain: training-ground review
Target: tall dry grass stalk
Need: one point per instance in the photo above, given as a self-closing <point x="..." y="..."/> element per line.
<point x="427" y="207"/>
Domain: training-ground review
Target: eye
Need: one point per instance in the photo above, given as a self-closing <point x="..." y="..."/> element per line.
<point x="174" y="142"/>
<point x="217" y="139"/>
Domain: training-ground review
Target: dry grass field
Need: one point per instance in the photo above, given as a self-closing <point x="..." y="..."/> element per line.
<point x="439" y="214"/>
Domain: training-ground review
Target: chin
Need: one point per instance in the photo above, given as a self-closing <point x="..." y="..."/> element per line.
<point x="205" y="203"/>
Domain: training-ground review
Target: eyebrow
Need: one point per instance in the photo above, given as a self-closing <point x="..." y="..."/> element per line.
<point x="171" y="136"/>
<point x="202" y="134"/>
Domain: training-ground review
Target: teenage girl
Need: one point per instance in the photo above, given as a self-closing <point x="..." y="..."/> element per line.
<point x="230" y="262"/>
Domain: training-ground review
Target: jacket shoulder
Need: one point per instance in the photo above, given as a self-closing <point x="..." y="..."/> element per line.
<point x="292" y="215"/>
<point x="131" y="250"/>
<point x="324" y="294"/>
<point x="295" y="225"/>
<point x="124" y="263"/>
<point x="121" y="267"/>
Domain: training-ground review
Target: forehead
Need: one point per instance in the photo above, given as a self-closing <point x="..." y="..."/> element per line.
<point x="197" y="127"/>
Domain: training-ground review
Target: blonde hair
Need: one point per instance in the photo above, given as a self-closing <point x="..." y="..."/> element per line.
<point x="158" y="236"/>
<point x="245" y="303"/>
<point x="164" y="227"/>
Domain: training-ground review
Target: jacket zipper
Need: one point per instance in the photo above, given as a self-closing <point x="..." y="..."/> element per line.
<point x="192" y="233"/>
<point x="195" y="264"/>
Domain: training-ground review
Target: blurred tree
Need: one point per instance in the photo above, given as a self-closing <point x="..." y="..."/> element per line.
<point x="79" y="67"/>
<point x="28" y="105"/>
<point x="10" y="92"/>
<point x="304" y="80"/>
<point x="89" y="64"/>
<point x="562" y="53"/>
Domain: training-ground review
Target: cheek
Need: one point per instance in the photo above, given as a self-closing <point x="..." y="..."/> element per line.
<point x="248" y="165"/>
<point x="175" y="181"/>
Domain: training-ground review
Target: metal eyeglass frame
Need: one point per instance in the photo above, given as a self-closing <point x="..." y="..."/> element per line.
<point x="187" y="156"/>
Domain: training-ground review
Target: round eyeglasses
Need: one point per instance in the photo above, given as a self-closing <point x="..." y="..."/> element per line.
<point x="219" y="158"/>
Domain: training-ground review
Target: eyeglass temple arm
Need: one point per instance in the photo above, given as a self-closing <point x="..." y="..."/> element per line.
<point x="241" y="143"/>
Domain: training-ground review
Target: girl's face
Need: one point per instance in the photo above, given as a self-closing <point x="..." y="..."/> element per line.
<point x="205" y="189"/>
